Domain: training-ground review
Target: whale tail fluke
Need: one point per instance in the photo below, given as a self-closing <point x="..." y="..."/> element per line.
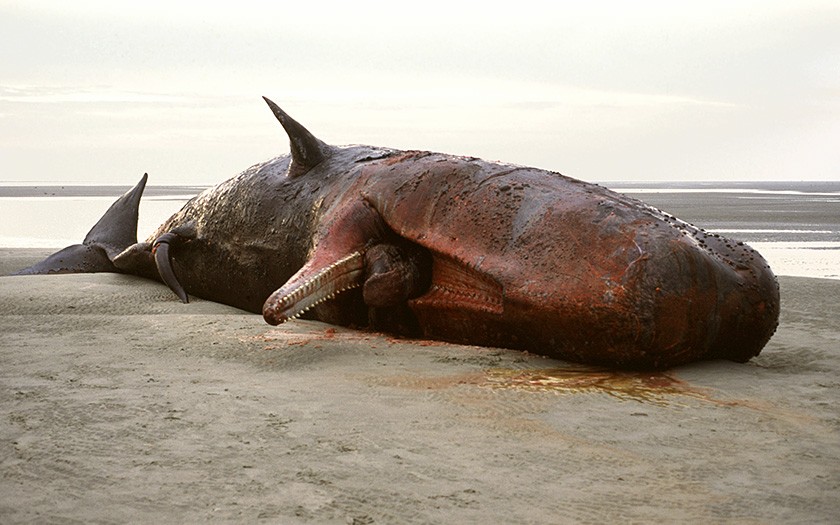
<point x="115" y="231"/>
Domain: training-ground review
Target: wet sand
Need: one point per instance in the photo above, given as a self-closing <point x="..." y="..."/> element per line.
<point x="119" y="404"/>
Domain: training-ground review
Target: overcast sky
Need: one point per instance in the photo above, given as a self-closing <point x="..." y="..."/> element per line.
<point x="102" y="91"/>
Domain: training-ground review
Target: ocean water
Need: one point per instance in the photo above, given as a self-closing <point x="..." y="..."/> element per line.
<point x="42" y="222"/>
<point x="794" y="225"/>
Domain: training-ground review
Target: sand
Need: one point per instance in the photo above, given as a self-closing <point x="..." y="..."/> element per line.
<point x="119" y="404"/>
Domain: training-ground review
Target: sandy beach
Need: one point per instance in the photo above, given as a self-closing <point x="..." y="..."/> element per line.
<point x="119" y="404"/>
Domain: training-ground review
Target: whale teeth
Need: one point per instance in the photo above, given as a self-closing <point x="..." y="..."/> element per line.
<point x="297" y="298"/>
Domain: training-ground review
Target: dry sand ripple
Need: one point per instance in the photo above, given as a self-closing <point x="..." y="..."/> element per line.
<point x="119" y="404"/>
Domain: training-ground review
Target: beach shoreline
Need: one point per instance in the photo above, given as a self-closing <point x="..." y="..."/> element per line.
<point x="121" y="404"/>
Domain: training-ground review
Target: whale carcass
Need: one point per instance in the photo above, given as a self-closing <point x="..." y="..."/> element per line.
<point x="450" y="248"/>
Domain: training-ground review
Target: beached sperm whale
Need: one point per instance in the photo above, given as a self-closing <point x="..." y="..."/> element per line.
<point x="450" y="248"/>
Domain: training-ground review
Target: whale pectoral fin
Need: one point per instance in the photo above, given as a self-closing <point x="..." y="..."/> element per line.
<point x="318" y="281"/>
<point x="115" y="231"/>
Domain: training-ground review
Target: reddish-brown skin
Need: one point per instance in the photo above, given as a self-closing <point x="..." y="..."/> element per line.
<point x="463" y="250"/>
<point x="529" y="259"/>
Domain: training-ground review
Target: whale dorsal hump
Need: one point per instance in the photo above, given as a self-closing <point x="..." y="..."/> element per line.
<point x="307" y="150"/>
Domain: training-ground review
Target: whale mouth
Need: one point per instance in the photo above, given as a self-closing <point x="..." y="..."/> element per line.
<point x="297" y="296"/>
<point x="390" y="271"/>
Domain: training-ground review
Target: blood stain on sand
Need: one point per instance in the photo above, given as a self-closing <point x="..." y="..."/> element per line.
<point x="658" y="388"/>
<point x="646" y="387"/>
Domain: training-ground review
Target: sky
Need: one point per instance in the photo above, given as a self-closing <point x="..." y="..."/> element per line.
<point x="99" y="92"/>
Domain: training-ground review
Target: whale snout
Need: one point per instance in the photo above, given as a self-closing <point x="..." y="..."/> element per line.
<point x="728" y="296"/>
<point x="749" y="309"/>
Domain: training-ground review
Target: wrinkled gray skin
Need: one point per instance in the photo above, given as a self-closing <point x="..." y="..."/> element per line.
<point x="241" y="240"/>
<point x="451" y="248"/>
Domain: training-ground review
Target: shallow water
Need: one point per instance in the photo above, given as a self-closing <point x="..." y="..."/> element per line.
<point x="55" y="222"/>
